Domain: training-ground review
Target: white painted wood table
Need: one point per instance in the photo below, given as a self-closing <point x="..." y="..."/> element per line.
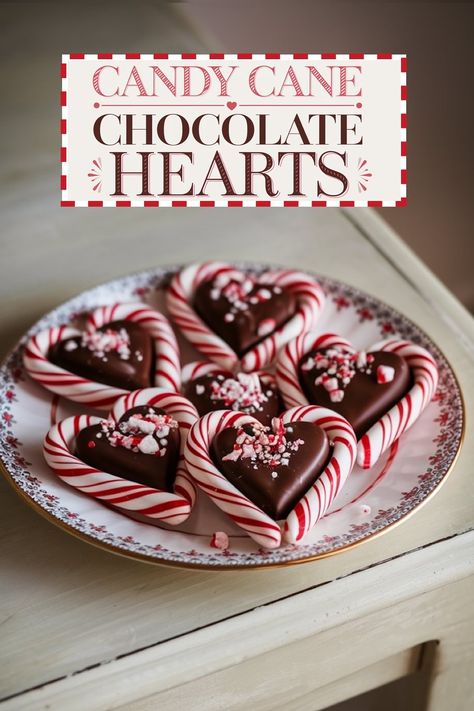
<point x="81" y="628"/>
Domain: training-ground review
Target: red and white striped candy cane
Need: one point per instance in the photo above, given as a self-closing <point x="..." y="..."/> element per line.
<point x="172" y="508"/>
<point x="198" y="368"/>
<point x="263" y="529"/>
<point x="402" y="415"/>
<point x="287" y="366"/>
<point x="310" y="299"/>
<point x="179" y="302"/>
<point x="92" y="393"/>
<point x="314" y="504"/>
<point x="183" y="412"/>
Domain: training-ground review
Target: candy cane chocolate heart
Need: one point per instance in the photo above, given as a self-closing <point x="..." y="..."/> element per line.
<point x="253" y="394"/>
<point x="273" y="466"/>
<point x="143" y="446"/>
<point x="241" y="311"/>
<point x="120" y="354"/>
<point x="359" y="386"/>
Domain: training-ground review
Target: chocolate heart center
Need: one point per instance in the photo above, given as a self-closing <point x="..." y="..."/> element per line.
<point x="120" y="354"/>
<point x="361" y="387"/>
<point x="246" y="392"/>
<point x="143" y="447"/>
<point x="273" y="467"/>
<point x="241" y="311"/>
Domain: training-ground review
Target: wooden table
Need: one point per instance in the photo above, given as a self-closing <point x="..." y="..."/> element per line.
<point x="81" y="628"/>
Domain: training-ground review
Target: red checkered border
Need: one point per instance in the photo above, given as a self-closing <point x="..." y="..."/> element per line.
<point x="65" y="202"/>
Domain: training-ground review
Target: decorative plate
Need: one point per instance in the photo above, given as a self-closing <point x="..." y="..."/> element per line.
<point x="372" y="501"/>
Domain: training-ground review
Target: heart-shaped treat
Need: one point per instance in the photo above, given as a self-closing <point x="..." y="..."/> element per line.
<point x="240" y="320"/>
<point x="257" y="475"/>
<point x="360" y="386"/>
<point x="123" y="347"/>
<point x="209" y="388"/>
<point x="132" y="461"/>
<point x="118" y="354"/>
<point x="381" y="391"/>
<point x="241" y="310"/>
<point x="273" y="466"/>
<point x="143" y="446"/>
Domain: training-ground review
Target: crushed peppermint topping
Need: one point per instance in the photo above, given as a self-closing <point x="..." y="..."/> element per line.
<point x="102" y="342"/>
<point x="140" y="433"/>
<point x="220" y="540"/>
<point x="244" y="392"/>
<point x="338" y="367"/>
<point x="240" y="290"/>
<point x="264" y="445"/>
<point x="385" y="374"/>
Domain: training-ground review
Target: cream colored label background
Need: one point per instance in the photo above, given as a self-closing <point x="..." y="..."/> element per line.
<point x="380" y="82"/>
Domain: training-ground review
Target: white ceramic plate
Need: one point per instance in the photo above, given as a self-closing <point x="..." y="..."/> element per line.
<point x="371" y="502"/>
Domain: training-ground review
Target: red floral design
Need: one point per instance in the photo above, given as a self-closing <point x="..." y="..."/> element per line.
<point x="341" y="302"/>
<point x="410" y="494"/>
<point x="359" y="528"/>
<point x="387" y="327"/>
<point x="425" y="477"/>
<point x="365" y="314"/>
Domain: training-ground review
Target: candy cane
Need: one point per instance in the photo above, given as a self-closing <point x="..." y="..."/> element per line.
<point x="92" y="393"/>
<point x="261" y="527"/>
<point x="310" y="299"/>
<point x="178" y="299"/>
<point x="287" y="366"/>
<point x="198" y="368"/>
<point x="402" y="415"/>
<point x="314" y="504"/>
<point x="155" y="504"/>
<point x="391" y="425"/>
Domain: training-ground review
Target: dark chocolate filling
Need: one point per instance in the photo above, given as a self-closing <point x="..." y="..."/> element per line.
<point x="275" y="488"/>
<point x="250" y="323"/>
<point x="158" y="472"/>
<point x="364" y="399"/>
<point x="109" y="367"/>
